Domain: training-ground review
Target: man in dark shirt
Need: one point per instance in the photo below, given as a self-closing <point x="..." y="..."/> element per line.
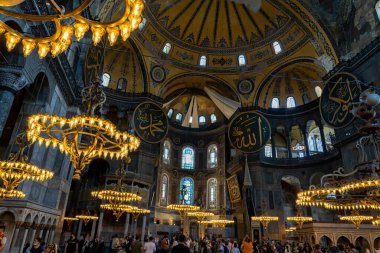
<point x="71" y="246"/>
<point x="181" y="247"/>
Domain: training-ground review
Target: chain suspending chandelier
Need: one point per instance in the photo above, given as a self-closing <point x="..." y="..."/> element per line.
<point x="16" y="170"/>
<point x="83" y="137"/>
<point x="60" y="41"/>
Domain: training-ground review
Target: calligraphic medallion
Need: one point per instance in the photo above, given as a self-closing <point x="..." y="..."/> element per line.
<point x="249" y="132"/>
<point x="150" y="122"/>
<point x="335" y="103"/>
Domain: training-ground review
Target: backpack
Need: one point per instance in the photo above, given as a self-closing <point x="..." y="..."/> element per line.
<point x="225" y="249"/>
<point x="164" y="244"/>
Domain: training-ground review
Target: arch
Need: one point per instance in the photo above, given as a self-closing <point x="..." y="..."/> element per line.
<point x="202" y="120"/>
<point x="376" y="243"/>
<point x="314" y="138"/>
<point x="186" y="191"/>
<point x="28" y="218"/>
<point x="43" y="220"/>
<point x="7" y="225"/>
<point x="290" y="102"/>
<point x="166" y="152"/>
<point x="342" y="240"/>
<point x="188" y="158"/>
<point x="275" y="103"/>
<point x="325" y="242"/>
<point x="212" y="193"/>
<point x="164" y="189"/>
<point x="39" y="90"/>
<point x="213" y="118"/>
<point x="212" y="156"/>
<point x="292" y="180"/>
<point x="362" y="244"/>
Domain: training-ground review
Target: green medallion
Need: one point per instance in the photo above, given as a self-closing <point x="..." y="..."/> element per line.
<point x="249" y="132"/>
<point x="335" y="102"/>
<point x="150" y="122"/>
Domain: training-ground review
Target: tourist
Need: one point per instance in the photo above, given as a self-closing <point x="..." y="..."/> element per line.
<point x="247" y="245"/>
<point x="37" y="247"/>
<point x="71" y="245"/>
<point x="136" y="246"/>
<point x="150" y="246"/>
<point x="181" y="247"/>
<point x="51" y="248"/>
<point x="377" y="250"/>
<point x="164" y="244"/>
<point x="230" y="246"/>
<point x="80" y="243"/>
<point x="26" y="248"/>
<point x="235" y="249"/>
<point x="317" y="248"/>
<point x="87" y="244"/>
<point x="341" y="248"/>
<point x="175" y="242"/>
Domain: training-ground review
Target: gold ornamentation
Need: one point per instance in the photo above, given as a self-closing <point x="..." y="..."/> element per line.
<point x="356" y="218"/>
<point x="265" y="220"/>
<point x="86" y="218"/>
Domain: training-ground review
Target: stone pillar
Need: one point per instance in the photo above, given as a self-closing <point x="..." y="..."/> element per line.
<point x="273" y="142"/>
<point x="32" y="237"/>
<point x="126" y="225"/>
<point x="52" y="234"/>
<point x="48" y="228"/>
<point x="135" y="226"/>
<point x="24" y="237"/>
<point x="41" y="228"/>
<point x="307" y="150"/>
<point x="79" y="228"/>
<point x="100" y="224"/>
<point x="289" y="144"/>
<point x="322" y="132"/>
<point x="6" y="100"/>
<point x="15" y="236"/>
<point x="93" y="227"/>
<point x="143" y="227"/>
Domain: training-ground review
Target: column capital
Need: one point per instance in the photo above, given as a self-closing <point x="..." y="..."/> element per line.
<point x="27" y="225"/>
<point x="12" y="81"/>
<point x="19" y="224"/>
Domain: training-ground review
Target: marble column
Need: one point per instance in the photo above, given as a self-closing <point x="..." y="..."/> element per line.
<point x="51" y="237"/>
<point x="6" y="100"/>
<point x="24" y="237"/>
<point x="93" y="227"/>
<point x="34" y="230"/>
<point x="15" y="236"/>
<point x="143" y="227"/>
<point x="41" y="227"/>
<point x="322" y="132"/>
<point x="126" y="225"/>
<point x="100" y="224"/>
<point x="135" y="227"/>
<point x="289" y="144"/>
<point x="79" y="228"/>
<point x="273" y="142"/>
<point x="307" y="150"/>
<point x="47" y="233"/>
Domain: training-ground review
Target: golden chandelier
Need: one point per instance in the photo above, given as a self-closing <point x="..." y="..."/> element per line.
<point x="14" y="171"/>
<point x="86" y="218"/>
<point x="69" y="221"/>
<point x="356" y="218"/>
<point x="183" y="209"/>
<point x="200" y="215"/>
<point x="119" y="209"/>
<point x="219" y="223"/>
<point x="60" y="41"/>
<point x="83" y="137"/>
<point x="265" y="220"/>
<point x="300" y="220"/>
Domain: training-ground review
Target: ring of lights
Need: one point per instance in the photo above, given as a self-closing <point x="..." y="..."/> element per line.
<point x="265" y="220"/>
<point x="221" y="223"/>
<point x="115" y="196"/>
<point x="102" y="138"/>
<point x="7" y="194"/>
<point x="61" y="39"/>
<point x="86" y="218"/>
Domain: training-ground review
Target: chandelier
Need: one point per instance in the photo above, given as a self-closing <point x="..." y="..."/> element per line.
<point x="265" y="220"/>
<point x="183" y="209"/>
<point x="300" y="220"/>
<point x="69" y="221"/>
<point x="14" y="171"/>
<point x="200" y="216"/>
<point x="376" y="221"/>
<point x="356" y="218"/>
<point x="82" y="137"/>
<point x="219" y="223"/>
<point x="60" y="41"/>
<point x="86" y="218"/>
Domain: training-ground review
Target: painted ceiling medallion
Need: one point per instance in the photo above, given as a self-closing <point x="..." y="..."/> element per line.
<point x="158" y="74"/>
<point x="245" y="86"/>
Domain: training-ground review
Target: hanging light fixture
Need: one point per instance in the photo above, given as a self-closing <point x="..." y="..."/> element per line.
<point x="82" y="137"/>
<point x="356" y="218"/>
<point x="265" y="220"/>
<point x="62" y="38"/>
<point x="86" y="218"/>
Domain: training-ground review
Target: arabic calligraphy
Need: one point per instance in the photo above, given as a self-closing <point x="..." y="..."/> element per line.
<point x="150" y="122"/>
<point x="335" y="103"/>
<point x="233" y="188"/>
<point x="249" y="132"/>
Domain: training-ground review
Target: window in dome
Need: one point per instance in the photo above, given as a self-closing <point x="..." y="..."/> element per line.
<point x="188" y="158"/>
<point x="378" y="10"/>
<point x="212" y="156"/>
<point x="268" y="151"/>
<point x="178" y="117"/>
<point x="242" y="61"/>
<point x="142" y="24"/>
<point x="166" y="153"/>
<point x="277" y="47"/>
<point x="213" y="118"/>
<point x="167" y="48"/>
<point x="170" y="113"/>
<point x="164" y="189"/>
<point x="106" y="79"/>
<point x="191" y="120"/>
<point x="212" y="184"/>
<point x="203" y="61"/>
<point x="122" y="84"/>
<point x="202" y="120"/>
<point x="186" y="191"/>
<point x="318" y="91"/>
<point x="290" y="102"/>
<point x="275" y="103"/>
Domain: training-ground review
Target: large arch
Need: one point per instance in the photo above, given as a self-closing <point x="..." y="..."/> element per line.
<point x="362" y="244"/>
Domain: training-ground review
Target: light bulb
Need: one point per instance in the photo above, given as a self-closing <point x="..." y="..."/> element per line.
<point x="55" y="48"/>
<point x="80" y="29"/>
<point x="2" y="29"/>
<point x="27" y="47"/>
<point x="97" y="34"/>
<point x="113" y="34"/>
<point x="12" y="40"/>
<point x="138" y="8"/>
<point x="65" y="46"/>
<point x="125" y="30"/>
<point x="66" y="33"/>
<point x="135" y="22"/>
<point x="43" y="50"/>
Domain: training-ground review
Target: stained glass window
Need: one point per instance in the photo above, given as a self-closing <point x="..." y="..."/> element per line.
<point x="164" y="189"/>
<point x="212" y="153"/>
<point x="290" y="102"/>
<point x="166" y="153"/>
<point x="187" y="158"/>
<point x="212" y="193"/>
<point x="186" y="191"/>
<point x="275" y="103"/>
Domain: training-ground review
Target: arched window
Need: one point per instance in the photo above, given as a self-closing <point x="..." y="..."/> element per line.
<point x="203" y="61"/>
<point x="106" y="79"/>
<point x="268" y="150"/>
<point x="170" y="113"/>
<point x="378" y="9"/>
<point x="290" y="102"/>
<point x="213" y="118"/>
<point x="122" y="84"/>
<point x="277" y="47"/>
<point x="178" y="117"/>
<point x="142" y="24"/>
<point x="187" y="158"/>
<point x="318" y="91"/>
<point x="164" y="189"/>
<point x="275" y="103"/>
<point x="186" y="191"/>
<point x="166" y="152"/>
<point x="314" y="140"/>
<point x="202" y="120"/>
<point x="212" y="190"/>
<point x="242" y="61"/>
<point x="167" y="48"/>
<point x="191" y="120"/>
<point x="212" y="156"/>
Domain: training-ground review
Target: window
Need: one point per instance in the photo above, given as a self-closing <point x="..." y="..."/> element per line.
<point x="166" y="152"/>
<point x="277" y="47"/>
<point x="142" y="24"/>
<point x="164" y="189"/>
<point x="106" y="79"/>
<point x="202" y="120"/>
<point x="191" y="120"/>
<point x="187" y="158"/>
<point x="167" y="48"/>
<point x="178" y="117"/>
<point x="290" y="102"/>
<point x="318" y="91"/>
<point x="268" y="151"/>
<point x="170" y="113"/>
<point x="213" y="118"/>
<point x="186" y="191"/>
<point x="212" y="190"/>
<point x="203" y="61"/>
<point x="212" y="156"/>
<point x="242" y="61"/>
<point x="122" y="84"/>
<point x="378" y="10"/>
<point x="275" y="103"/>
